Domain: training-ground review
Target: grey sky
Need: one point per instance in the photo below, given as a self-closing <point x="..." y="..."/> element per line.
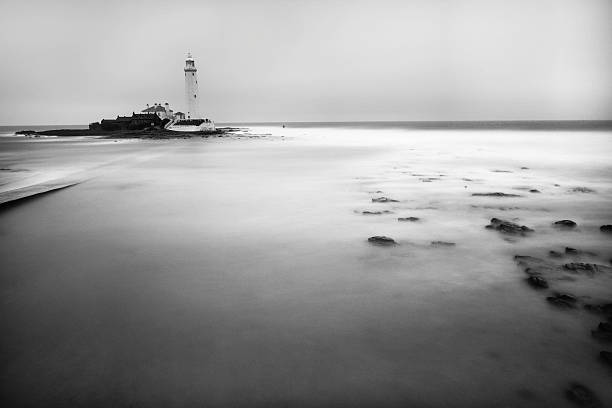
<point x="72" y="62"/>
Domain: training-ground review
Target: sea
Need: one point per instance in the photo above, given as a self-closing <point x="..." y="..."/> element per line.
<point x="237" y="271"/>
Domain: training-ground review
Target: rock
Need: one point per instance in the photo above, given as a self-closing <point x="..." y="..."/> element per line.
<point x="496" y="194"/>
<point x="501" y="171"/>
<point x="533" y="190"/>
<point x="606" y="357"/>
<point x="508" y="227"/>
<point x="581" y="190"/>
<point x="565" y="224"/>
<point x="381" y="240"/>
<point x="367" y="212"/>
<point x="555" y="254"/>
<point x="537" y="282"/>
<point x="411" y="219"/>
<point x="582" y="396"/>
<point x="384" y="200"/>
<point x="606" y="228"/>
<point x="442" y="244"/>
<point x="563" y="300"/>
<point x="524" y="168"/>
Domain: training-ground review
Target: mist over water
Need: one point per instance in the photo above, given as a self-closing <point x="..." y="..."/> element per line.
<point x="237" y="272"/>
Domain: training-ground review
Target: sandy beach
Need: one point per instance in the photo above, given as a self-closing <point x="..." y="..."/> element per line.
<point x="237" y="271"/>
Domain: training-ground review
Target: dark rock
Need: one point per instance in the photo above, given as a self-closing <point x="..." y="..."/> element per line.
<point x="533" y="190"/>
<point x="496" y="194"/>
<point x="563" y="300"/>
<point x="606" y="228"/>
<point x="565" y="224"/>
<point x="442" y="244"/>
<point x="582" y="396"/>
<point x="411" y="219"/>
<point x="537" y="282"/>
<point x="384" y="200"/>
<point x="382" y="240"/>
<point x="555" y="254"/>
<point x="606" y="357"/>
<point x="367" y="212"/>
<point x="581" y="190"/>
<point x="508" y="227"/>
<point x="524" y="168"/>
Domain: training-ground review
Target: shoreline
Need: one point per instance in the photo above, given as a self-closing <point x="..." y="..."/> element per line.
<point x="130" y="134"/>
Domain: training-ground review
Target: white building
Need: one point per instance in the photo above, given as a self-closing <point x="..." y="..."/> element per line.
<point x="191" y="88"/>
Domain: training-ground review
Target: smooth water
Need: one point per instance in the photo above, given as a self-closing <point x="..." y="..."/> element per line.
<point x="237" y="272"/>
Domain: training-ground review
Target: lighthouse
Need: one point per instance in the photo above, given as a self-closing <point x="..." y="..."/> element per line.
<point x="195" y="122"/>
<point x="191" y="88"/>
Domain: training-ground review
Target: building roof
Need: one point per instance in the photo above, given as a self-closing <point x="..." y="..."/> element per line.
<point x="154" y="108"/>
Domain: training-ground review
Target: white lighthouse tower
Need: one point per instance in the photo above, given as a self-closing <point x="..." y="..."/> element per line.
<point x="195" y="121"/>
<point x="191" y="88"/>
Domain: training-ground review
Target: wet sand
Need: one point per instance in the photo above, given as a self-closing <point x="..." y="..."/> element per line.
<point x="238" y="272"/>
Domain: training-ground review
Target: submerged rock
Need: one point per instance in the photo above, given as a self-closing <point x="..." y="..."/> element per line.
<point x="442" y="244"/>
<point x="537" y="282"/>
<point x="603" y="332"/>
<point x="578" y="252"/>
<point x="384" y="200"/>
<point x="582" y="396"/>
<point x="555" y="254"/>
<point x="381" y="240"/>
<point x="604" y="308"/>
<point x="495" y="194"/>
<point x="411" y="219"/>
<point x="563" y="300"/>
<point x="606" y="228"/>
<point x="508" y="227"/>
<point x="606" y="357"/>
<point x="565" y="224"/>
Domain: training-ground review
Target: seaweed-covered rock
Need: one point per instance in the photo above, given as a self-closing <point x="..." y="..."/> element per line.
<point x="586" y="268"/>
<point x="508" y="227"/>
<point x="563" y="300"/>
<point x="582" y="190"/>
<point x="537" y="282"/>
<point x="564" y="224"/>
<point x="384" y="200"/>
<point x="495" y="194"/>
<point x="442" y="244"/>
<point x="410" y="219"/>
<point x="606" y="228"/>
<point x="582" y="396"/>
<point x="381" y="240"/>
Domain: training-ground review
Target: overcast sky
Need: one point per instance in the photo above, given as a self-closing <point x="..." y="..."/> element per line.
<point x="76" y="61"/>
